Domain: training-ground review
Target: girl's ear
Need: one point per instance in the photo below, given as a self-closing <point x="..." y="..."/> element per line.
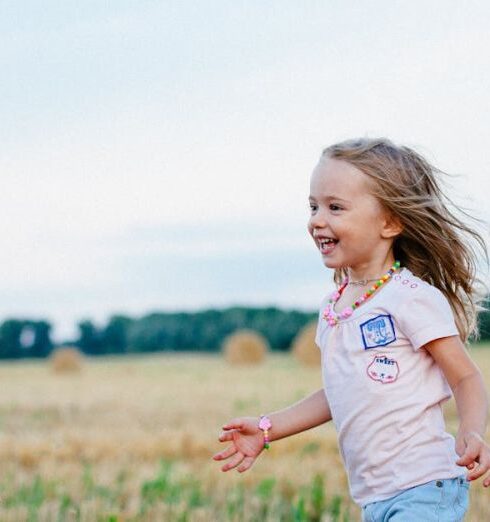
<point x="392" y="226"/>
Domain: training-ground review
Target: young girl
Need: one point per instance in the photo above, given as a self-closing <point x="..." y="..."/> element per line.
<point x="391" y="338"/>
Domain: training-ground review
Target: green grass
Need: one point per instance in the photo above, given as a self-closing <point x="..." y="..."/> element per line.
<point x="178" y="498"/>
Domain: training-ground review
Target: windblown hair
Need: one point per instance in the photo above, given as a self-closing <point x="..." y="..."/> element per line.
<point x="435" y="244"/>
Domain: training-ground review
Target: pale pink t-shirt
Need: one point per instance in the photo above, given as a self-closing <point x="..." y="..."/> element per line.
<point x="385" y="391"/>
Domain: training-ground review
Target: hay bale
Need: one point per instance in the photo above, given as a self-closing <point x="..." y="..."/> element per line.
<point x="245" y="347"/>
<point x="304" y="348"/>
<point x="66" y="359"/>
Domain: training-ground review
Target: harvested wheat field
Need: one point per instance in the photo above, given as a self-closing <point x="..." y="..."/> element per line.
<point x="131" y="439"/>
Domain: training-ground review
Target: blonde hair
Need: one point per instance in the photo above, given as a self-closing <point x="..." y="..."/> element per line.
<point x="434" y="244"/>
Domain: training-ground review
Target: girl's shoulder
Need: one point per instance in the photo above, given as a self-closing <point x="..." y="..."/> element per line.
<point x="421" y="310"/>
<point x="407" y="287"/>
<point x="416" y="302"/>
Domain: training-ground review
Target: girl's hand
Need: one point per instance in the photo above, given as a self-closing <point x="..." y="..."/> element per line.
<point x="247" y="442"/>
<point x="474" y="453"/>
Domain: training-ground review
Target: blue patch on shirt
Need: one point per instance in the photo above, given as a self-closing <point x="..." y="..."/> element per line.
<point x="378" y="331"/>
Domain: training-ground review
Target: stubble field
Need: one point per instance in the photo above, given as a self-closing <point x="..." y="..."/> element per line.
<point x="131" y="439"/>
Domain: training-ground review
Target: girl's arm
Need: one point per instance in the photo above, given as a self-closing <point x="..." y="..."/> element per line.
<point x="307" y="413"/>
<point x="468" y="388"/>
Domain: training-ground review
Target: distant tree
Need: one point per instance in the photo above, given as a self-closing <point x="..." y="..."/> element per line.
<point x="10" y="331"/>
<point x="41" y="345"/>
<point x="90" y="339"/>
<point x="114" y="337"/>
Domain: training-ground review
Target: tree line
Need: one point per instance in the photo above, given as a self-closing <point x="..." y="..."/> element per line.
<point x="202" y="331"/>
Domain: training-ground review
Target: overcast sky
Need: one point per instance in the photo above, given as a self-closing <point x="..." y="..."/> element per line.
<point x="155" y="155"/>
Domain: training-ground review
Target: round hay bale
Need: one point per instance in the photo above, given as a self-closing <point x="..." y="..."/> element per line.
<point x="66" y="359"/>
<point x="304" y="348"/>
<point x="245" y="347"/>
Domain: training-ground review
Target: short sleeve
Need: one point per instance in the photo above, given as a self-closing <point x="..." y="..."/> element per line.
<point x="426" y="315"/>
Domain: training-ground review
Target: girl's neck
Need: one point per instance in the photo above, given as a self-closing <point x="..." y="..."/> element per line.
<point x="372" y="270"/>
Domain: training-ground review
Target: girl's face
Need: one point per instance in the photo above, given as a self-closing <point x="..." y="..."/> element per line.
<point x="347" y="223"/>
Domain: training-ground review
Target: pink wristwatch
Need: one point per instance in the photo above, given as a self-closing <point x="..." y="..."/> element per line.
<point x="265" y="425"/>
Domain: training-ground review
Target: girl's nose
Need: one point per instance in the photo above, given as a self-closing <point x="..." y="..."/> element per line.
<point x="317" y="220"/>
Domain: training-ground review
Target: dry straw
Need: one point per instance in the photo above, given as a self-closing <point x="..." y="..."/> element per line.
<point x="304" y="348"/>
<point x="245" y="347"/>
<point x="66" y="359"/>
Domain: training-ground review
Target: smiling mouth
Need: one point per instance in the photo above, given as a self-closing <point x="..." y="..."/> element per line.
<point x="327" y="245"/>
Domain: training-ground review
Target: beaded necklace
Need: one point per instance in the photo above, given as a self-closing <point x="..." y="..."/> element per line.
<point x="332" y="317"/>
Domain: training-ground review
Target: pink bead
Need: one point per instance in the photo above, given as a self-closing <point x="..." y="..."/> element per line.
<point x="329" y="314"/>
<point x="346" y="312"/>
<point x="331" y="322"/>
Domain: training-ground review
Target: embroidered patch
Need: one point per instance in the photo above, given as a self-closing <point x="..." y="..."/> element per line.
<point x="378" y="331"/>
<point x="383" y="369"/>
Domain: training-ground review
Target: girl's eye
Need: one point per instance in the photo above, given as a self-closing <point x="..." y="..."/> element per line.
<point x="312" y="207"/>
<point x="335" y="207"/>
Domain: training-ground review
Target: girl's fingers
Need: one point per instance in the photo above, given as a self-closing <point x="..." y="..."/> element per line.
<point x="234" y="424"/>
<point x="486" y="482"/>
<point x="467" y="458"/>
<point x="479" y="470"/>
<point x="246" y="464"/>
<point x="228" y="452"/>
<point x="225" y="436"/>
<point x="471" y="452"/>
<point x="234" y="461"/>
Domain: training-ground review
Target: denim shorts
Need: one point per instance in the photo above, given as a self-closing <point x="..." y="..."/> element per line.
<point x="444" y="500"/>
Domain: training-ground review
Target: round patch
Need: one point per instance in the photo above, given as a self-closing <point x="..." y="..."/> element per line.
<point x="383" y="369"/>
